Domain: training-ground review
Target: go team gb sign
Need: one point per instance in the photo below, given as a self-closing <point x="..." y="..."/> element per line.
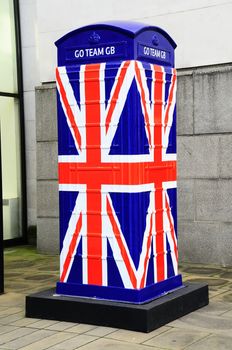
<point x="117" y="50"/>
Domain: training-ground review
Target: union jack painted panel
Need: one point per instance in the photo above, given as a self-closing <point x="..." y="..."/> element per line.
<point x="117" y="180"/>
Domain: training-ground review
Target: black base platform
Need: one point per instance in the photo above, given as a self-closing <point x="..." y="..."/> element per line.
<point x="143" y="318"/>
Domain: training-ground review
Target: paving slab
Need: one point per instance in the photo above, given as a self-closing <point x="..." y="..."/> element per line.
<point x="197" y="321"/>
<point x="15" y="334"/>
<point x="43" y="324"/>
<point x="27" y="272"/>
<point x="7" y="329"/>
<point x="216" y="308"/>
<point x="74" y="343"/>
<point x="24" y="322"/>
<point x="49" y="341"/>
<point x="110" y="344"/>
<point x="27" y="339"/>
<point x="228" y="314"/>
<point x="176" y="339"/>
<point x="225" y="297"/>
<point x="101" y="331"/>
<point x="136" y="337"/>
<point x="11" y="299"/>
<point x="60" y="326"/>
<point x="10" y="311"/>
<point x="81" y="328"/>
<point x="12" y="318"/>
<point x="212" y="342"/>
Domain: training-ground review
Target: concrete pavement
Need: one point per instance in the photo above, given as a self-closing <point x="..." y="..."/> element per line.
<point x="209" y="328"/>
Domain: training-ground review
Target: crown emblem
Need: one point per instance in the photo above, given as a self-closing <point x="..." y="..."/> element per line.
<point x="94" y="38"/>
<point x="155" y="40"/>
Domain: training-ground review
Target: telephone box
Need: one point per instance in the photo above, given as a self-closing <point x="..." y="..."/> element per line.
<point x="116" y="99"/>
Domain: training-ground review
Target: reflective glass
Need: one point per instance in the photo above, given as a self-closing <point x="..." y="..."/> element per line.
<point x="11" y="172"/>
<point x="8" y="57"/>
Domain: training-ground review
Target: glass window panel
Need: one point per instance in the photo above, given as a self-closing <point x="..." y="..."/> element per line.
<point x="11" y="172"/>
<point x="8" y="70"/>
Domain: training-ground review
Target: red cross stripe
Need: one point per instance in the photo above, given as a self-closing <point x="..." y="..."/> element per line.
<point x="95" y="172"/>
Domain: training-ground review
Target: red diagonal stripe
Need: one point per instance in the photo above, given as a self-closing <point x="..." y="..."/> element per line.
<point x="170" y="98"/>
<point x="146" y="261"/>
<point x="68" y="109"/>
<point x="171" y="227"/>
<point x="71" y="248"/>
<point x="114" y="98"/>
<point x="146" y="116"/>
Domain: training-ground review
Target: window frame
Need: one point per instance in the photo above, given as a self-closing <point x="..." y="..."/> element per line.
<point x="19" y="96"/>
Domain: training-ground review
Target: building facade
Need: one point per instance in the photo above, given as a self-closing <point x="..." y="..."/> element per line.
<point x="204" y="62"/>
<point x="12" y="125"/>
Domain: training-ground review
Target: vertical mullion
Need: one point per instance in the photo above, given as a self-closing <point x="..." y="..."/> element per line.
<point x="21" y="118"/>
<point x="1" y="227"/>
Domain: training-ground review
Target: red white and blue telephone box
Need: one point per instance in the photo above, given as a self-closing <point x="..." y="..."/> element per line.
<point x="116" y="101"/>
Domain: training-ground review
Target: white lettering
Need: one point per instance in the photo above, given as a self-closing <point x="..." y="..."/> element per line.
<point x="146" y="50"/>
<point x="100" y="51"/>
<point x="163" y="55"/>
<point x="97" y="51"/>
<point x="110" y="50"/>
<point x="107" y="50"/>
<point x="150" y="51"/>
<point x="79" y="53"/>
<point x="87" y="52"/>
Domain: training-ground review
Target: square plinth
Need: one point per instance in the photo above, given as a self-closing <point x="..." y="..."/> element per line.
<point x="143" y="318"/>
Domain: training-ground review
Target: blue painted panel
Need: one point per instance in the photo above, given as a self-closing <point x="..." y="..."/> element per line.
<point x="67" y="202"/>
<point x="66" y="145"/>
<point x="172" y="194"/>
<point x="131" y="209"/>
<point x="172" y="137"/>
<point x="130" y="137"/>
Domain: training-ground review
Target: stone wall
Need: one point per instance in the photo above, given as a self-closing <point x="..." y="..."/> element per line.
<point x="47" y="186"/>
<point x="204" y="165"/>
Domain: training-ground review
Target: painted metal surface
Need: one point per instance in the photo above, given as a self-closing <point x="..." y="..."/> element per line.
<point x="117" y="178"/>
<point x="113" y="41"/>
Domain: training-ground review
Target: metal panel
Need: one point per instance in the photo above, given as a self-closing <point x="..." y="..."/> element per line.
<point x="111" y="41"/>
<point x="117" y="180"/>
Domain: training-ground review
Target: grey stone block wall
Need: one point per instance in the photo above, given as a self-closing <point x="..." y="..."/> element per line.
<point x="204" y="110"/>
<point x="47" y="156"/>
<point x="205" y="164"/>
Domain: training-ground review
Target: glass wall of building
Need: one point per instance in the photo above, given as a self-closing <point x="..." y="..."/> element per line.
<point x="11" y="122"/>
